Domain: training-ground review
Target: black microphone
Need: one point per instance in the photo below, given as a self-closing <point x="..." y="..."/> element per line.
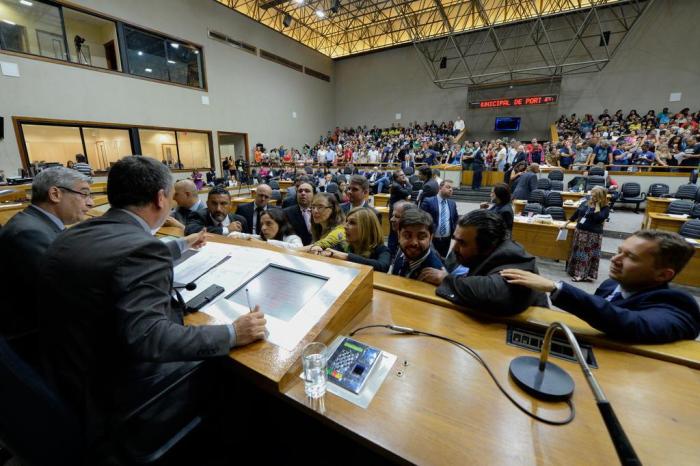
<point x="188" y="286"/>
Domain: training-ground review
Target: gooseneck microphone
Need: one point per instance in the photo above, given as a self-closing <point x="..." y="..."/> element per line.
<point x="547" y="381"/>
<point x="187" y="286"/>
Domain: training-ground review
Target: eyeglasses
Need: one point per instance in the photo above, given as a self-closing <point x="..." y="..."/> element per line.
<point x="319" y="207"/>
<point x="80" y="193"/>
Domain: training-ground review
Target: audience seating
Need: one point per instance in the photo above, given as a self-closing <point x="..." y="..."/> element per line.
<point x="594" y="180"/>
<point x="544" y="183"/>
<point x="681" y="207"/>
<point x="631" y="193"/>
<point x="687" y="191"/>
<point x="557" y="185"/>
<point x="276" y="195"/>
<point x="691" y="229"/>
<point x="274" y="184"/>
<point x="332" y="188"/>
<point x="596" y="171"/>
<point x="658" y="190"/>
<point x="556" y="175"/>
<point x="556" y="212"/>
<point x="695" y="211"/>
<point x="534" y="207"/>
<point x="553" y="199"/>
<point x="536" y="196"/>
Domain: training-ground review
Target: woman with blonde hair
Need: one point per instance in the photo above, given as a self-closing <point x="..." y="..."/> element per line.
<point x="327" y="223"/>
<point x="365" y="241"/>
<point x="588" y="236"/>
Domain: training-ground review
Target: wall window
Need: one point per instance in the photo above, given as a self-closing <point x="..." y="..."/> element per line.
<point x="32" y="27"/>
<point x="52" y="144"/>
<point x="51" y="30"/>
<point x="194" y="149"/>
<point x="105" y="146"/>
<point x="92" y="40"/>
<point x="161" y="145"/>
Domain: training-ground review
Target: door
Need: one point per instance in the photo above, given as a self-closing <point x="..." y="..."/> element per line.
<point x="111" y="55"/>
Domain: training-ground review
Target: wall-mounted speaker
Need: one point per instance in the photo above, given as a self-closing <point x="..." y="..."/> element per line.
<point x="443" y="63"/>
<point x="2" y="128"/>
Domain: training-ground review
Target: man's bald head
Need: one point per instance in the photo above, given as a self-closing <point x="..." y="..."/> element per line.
<point x="262" y="195"/>
<point x="185" y="193"/>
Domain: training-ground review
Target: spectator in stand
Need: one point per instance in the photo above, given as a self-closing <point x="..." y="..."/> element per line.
<point x="566" y="156"/>
<point x="458" y="126"/>
<point x="588" y="236"/>
<point x="478" y="165"/>
<point x="501" y="156"/>
<point x="535" y="153"/>
<point x="601" y="154"/>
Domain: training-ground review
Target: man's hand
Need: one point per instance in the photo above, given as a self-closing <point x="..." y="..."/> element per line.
<point x="235" y="226"/>
<point x="172" y="222"/>
<point x="197" y="240"/>
<point x="528" y="279"/>
<point x="433" y="276"/>
<point x="250" y="327"/>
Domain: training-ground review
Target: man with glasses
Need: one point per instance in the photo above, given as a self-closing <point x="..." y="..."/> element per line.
<point x="60" y="197"/>
<point x="252" y="211"/>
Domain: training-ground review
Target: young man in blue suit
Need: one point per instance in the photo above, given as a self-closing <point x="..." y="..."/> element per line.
<point x="443" y="210"/>
<point x="415" y="235"/>
<point x="635" y="304"/>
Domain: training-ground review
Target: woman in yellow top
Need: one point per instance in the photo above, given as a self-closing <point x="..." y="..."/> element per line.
<point x="328" y="223"/>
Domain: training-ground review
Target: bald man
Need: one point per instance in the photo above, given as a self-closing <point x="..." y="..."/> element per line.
<point x="188" y="202"/>
<point x="253" y="210"/>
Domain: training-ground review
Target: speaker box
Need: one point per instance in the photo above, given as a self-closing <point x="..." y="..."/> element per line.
<point x="2" y="128"/>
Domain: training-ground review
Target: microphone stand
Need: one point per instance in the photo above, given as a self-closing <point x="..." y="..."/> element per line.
<point x="545" y="380"/>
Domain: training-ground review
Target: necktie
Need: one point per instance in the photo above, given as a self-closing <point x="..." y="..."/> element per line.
<point x="258" y="213"/>
<point x="307" y="218"/>
<point x="444" y="219"/>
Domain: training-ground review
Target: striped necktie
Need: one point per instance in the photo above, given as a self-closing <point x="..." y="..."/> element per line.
<point x="444" y="219"/>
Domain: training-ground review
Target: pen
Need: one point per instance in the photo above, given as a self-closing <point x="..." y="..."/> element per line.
<point x="247" y="297"/>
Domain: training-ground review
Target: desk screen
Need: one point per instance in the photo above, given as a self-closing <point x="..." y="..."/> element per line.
<point x="279" y="291"/>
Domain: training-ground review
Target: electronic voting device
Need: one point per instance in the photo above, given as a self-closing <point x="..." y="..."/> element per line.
<point x="351" y="364"/>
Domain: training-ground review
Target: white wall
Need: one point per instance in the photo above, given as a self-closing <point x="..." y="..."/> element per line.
<point x="658" y="57"/>
<point x="247" y="93"/>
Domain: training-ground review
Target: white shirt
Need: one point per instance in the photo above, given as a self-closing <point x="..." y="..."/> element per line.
<point x="459" y="125"/>
<point x="373" y="154"/>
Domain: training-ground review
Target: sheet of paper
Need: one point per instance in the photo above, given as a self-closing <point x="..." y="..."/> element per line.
<point x="563" y="234"/>
<point x="196" y="265"/>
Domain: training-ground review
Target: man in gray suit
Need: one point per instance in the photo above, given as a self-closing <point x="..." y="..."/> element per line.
<point x="114" y="335"/>
<point x="60" y="196"/>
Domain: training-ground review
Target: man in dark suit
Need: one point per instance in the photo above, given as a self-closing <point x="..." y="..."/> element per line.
<point x="358" y="190"/>
<point x="252" y="211"/>
<point x="443" y="210"/>
<point x="188" y="202"/>
<point x="299" y="215"/>
<point x="400" y="188"/>
<point x="116" y="338"/>
<point x="60" y="196"/>
<point x="430" y="184"/>
<point x="416" y="253"/>
<point x="482" y="245"/>
<point x="635" y="304"/>
<point x="526" y="183"/>
<point x="217" y="217"/>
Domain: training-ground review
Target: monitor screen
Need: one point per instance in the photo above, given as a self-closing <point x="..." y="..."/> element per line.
<point x="507" y="123"/>
<point x="279" y="291"/>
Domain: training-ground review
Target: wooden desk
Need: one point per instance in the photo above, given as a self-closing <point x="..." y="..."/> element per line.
<point x="573" y="196"/>
<point x="10" y="194"/>
<point x="284" y="184"/>
<point x="385" y="219"/>
<point x="7" y="211"/>
<point x="659" y="221"/>
<point x="442" y="408"/>
<point x="655" y="205"/>
<point x="381" y="200"/>
<point x="541" y="239"/>
<point x="691" y="273"/>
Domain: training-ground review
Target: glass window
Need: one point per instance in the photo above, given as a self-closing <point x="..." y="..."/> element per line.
<point x="92" y="40"/>
<point x="160" y="145"/>
<point x="105" y="146"/>
<point x="146" y="54"/>
<point x="194" y="149"/>
<point x="32" y="27"/>
<point x="184" y="64"/>
<point x="52" y="144"/>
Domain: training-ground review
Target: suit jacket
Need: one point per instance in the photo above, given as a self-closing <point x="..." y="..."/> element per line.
<point x="113" y="336"/>
<point x="483" y="289"/>
<point x="347" y="207"/>
<point x="23" y="244"/>
<point x="658" y="315"/>
<point x="432" y="206"/>
<point x="506" y="213"/>
<point x="399" y="192"/>
<point x="247" y="211"/>
<point x="297" y="220"/>
<point x="525" y="184"/>
<point x="203" y="220"/>
<point x="400" y="266"/>
<point x="185" y="215"/>
<point x="430" y="188"/>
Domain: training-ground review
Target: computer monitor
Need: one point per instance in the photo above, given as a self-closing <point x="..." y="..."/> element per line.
<point x="280" y="291"/>
<point x="507" y="124"/>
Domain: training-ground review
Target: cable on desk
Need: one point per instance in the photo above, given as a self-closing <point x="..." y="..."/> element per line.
<point x="475" y="355"/>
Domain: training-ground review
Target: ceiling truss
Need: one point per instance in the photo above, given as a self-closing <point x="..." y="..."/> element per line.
<point x="360" y="26"/>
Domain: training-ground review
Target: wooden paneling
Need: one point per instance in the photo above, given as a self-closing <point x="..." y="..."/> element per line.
<point x="541" y="239"/>
<point x="659" y="221"/>
<point x="488" y="178"/>
<point x="655" y="205"/>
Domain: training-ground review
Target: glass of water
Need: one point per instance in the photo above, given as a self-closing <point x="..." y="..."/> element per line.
<point x="314" y="360"/>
